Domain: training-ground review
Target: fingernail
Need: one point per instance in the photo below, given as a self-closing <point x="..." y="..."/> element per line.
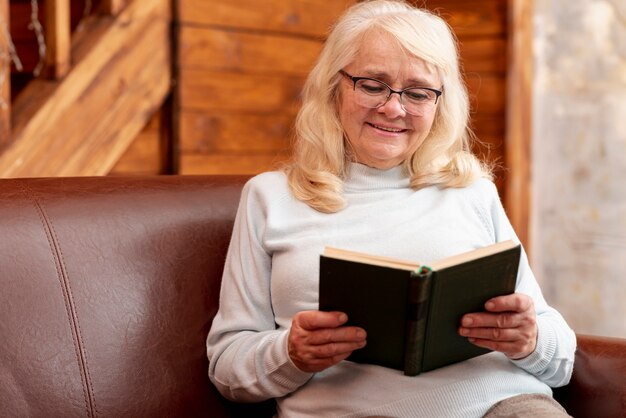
<point x="490" y="305"/>
<point x="360" y="334"/>
<point x="342" y="318"/>
<point x="467" y="321"/>
<point x="464" y="331"/>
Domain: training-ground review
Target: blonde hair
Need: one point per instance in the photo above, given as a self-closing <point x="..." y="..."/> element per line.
<point x="319" y="162"/>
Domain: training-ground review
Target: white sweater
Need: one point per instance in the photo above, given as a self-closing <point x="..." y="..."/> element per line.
<point x="271" y="273"/>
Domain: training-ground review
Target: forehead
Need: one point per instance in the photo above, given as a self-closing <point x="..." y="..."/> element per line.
<point x="380" y="55"/>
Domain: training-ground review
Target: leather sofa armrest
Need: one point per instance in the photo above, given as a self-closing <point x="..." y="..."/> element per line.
<point x="598" y="384"/>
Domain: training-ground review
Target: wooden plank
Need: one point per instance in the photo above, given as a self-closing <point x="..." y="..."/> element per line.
<point x="223" y="132"/>
<point x="230" y="163"/>
<point x="220" y="50"/>
<point x="5" y="79"/>
<point x="492" y="125"/>
<point x="128" y="62"/>
<point x="471" y="18"/>
<point x="487" y="93"/>
<point x="484" y="55"/>
<point x="304" y="17"/>
<point x="57" y="32"/>
<point x="517" y="199"/>
<point x="223" y="91"/>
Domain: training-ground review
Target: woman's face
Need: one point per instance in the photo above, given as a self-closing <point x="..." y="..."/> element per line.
<point x="386" y="136"/>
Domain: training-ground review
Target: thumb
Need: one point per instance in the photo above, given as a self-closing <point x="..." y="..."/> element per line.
<point x="311" y="320"/>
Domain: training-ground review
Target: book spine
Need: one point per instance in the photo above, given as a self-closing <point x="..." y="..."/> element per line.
<point x="418" y="297"/>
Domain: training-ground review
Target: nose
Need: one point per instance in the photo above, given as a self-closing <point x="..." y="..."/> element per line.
<point x="393" y="106"/>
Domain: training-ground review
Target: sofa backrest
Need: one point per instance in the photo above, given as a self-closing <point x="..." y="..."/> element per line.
<point x="107" y="290"/>
<point x="108" y="287"/>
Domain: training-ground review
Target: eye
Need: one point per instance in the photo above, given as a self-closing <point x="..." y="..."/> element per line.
<point x="371" y="87"/>
<point x="419" y="95"/>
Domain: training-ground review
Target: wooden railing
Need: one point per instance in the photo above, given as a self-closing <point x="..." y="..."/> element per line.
<point x="58" y="33"/>
<point x="97" y="89"/>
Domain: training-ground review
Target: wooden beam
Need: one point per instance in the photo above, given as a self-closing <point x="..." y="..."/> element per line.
<point x="58" y="31"/>
<point x="517" y="199"/>
<point x="5" y="77"/>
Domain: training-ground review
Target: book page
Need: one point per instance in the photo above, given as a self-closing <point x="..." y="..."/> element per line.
<point x="391" y="262"/>
<point x="376" y="260"/>
<point x="472" y="255"/>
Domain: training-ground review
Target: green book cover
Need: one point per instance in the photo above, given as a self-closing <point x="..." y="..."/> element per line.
<point x="412" y="312"/>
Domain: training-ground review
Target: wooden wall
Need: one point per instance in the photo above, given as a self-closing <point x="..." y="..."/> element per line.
<point x="241" y="67"/>
<point x="482" y="32"/>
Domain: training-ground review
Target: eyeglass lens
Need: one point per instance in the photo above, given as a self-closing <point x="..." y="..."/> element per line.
<point x="373" y="93"/>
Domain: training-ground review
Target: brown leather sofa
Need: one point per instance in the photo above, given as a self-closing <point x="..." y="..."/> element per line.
<point x="107" y="291"/>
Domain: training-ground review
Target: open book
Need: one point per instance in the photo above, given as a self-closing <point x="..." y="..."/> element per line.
<point x="412" y="312"/>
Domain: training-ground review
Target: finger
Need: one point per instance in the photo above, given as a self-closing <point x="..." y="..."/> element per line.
<point x="341" y="334"/>
<point x="500" y="320"/>
<point x="495" y="334"/>
<point x="516" y="302"/>
<point x="311" y="320"/>
<point x="334" y="349"/>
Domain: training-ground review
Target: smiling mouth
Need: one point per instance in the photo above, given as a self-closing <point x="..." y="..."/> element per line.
<point x="386" y="128"/>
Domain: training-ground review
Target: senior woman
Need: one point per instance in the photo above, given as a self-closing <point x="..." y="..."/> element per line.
<point x="381" y="165"/>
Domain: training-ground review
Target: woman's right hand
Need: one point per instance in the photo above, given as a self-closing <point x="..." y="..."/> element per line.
<point x="317" y="340"/>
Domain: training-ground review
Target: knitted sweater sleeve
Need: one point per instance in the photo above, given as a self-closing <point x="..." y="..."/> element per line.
<point x="553" y="359"/>
<point x="248" y="359"/>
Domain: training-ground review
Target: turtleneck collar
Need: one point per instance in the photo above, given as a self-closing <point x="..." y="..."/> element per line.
<point x="364" y="178"/>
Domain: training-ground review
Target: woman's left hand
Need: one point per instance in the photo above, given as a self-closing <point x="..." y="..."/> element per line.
<point x="508" y="326"/>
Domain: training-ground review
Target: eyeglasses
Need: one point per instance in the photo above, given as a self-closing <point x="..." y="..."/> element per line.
<point x="372" y="93"/>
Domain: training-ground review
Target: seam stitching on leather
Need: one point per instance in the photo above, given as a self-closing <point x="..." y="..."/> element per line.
<point x="57" y="255"/>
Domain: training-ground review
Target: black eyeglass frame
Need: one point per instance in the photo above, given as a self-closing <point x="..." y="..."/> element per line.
<point x="391" y="91"/>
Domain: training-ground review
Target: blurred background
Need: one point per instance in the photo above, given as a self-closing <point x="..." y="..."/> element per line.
<point x="159" y="87"/>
